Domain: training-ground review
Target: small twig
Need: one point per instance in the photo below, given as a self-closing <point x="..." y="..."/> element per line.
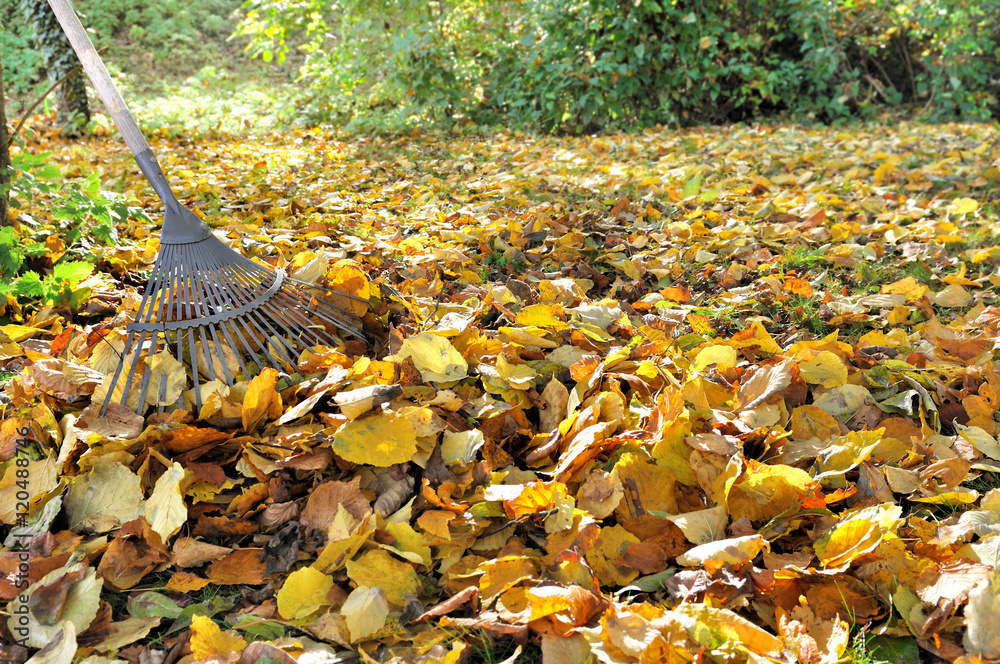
<point x="27" y="113"/>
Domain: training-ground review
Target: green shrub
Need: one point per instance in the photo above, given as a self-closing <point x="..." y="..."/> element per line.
<point x="381" y="62"/>
<point x="581" y="65"/>
<point x="586" y="64"/>
<point x="170" y="32"/>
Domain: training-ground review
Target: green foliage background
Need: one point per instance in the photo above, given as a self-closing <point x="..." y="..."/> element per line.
<point x="581" y="65"/>
<point x="567" y="65"/>
<point x="160" y="33"/>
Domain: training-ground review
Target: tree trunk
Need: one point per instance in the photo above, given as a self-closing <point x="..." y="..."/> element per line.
<point x="4" y="153"/>
<point x="72" y="109"/>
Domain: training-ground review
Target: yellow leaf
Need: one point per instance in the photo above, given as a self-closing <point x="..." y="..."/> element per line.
<point x="378" y="440"/>
<point x="961" y="206"/>
<point x="847" y="452"/>
<point x="260" y="399"/>
<point x="303" y="594"/>
<point x="364" y="612"/>
<point x="185" y="582"/>
<point x="434" y="357"/>
<point x="958" y="496"/>
<point x="700" y="324"/>
<point x="982" y="634"/>
<point x="547" y="316"/>
<point x="346" y="277"/>
<point x="736" y="551"/>
<point x="165" y="509"/>
<point x="18" y="333"/>
<point x="208" y="640"/>
<point x="809" y="421"/>
<point x="848" y="540"/>
<point x="167" y="379"/>
<point x="756" y="338"/>
<point x="41" y="477"/>
<point x="516" y="376"/>
<point x="722" y="356"/>
<point x="798" y="287"/>
<point x="826" y="369"/>
<point x="409" y="541"/>
<point x="883" y="173"/>
<point x="655" y="485"/>
<point x="378" y="569"/>
<point x="104" y="499"/>
<point x="768" y="490"/>
<point x="905" y="286"/>
<point x="336" y="554"/>
<point x="502" y="573"/>
<point x="610" y="546"/>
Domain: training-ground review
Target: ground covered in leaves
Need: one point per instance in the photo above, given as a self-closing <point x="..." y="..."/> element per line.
<point x="718" y="395"/>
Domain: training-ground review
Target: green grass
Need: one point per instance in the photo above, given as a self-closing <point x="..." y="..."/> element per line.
<point x="986" y="481"/>
<point x="804" y="259"/>
<point x="869" y="649"/>
<point x="217" y="101"/>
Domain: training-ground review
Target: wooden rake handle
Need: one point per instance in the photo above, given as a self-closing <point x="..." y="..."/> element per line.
<point x="98" y="74"/>
<point x="108" y="92"/>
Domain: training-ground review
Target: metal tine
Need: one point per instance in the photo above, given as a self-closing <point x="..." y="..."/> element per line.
<point x="163" y="281"/>
<point x="337" y="322"/>
<point x="144" y="384"/>
<point x="304" y="310"/>
<point x="222" y="355"/>
<point x="215" y="300"/>
<point x="226" y="278"/>
<point x="163" y="393"/>
<point x="145" y="310"/>
<point x="189" y="299"/>
<point x="208" y="303"/>
<point x="305" y="334"/>
<point x="258" y="319"/>
<point x="328" y="289"/>
<point x="312" y="303"/>
<point x="194" y="369"/>
<point x="180" y="358"/>
<point x="165" y="294"/>
<point x="289" y="316"/>
<point x="250" y="283"/>
<point x="118" y="371"/>
<point x="206" y="352"/>
<point x="247" y="321"/>
<point x="303" y="342"/>
<point x="309" y="300"/>
<point x="201" y="306"/>
<point x="178" y="315"/>
<point x="246" y="347"/>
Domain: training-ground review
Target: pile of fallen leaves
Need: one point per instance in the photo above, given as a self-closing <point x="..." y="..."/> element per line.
<point x="717" y="395"/>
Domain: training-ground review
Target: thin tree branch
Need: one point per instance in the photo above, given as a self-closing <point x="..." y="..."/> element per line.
<point x="27" y="113"/>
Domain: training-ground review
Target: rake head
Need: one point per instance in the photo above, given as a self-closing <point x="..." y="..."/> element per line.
<point x="209" y="307"/>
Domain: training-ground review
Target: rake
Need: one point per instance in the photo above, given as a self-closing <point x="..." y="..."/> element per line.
<point x="204" y="298"/>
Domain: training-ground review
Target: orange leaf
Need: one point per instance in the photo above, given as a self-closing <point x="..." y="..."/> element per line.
<point x="797" y="287"/>
<point x="680" y="294"/>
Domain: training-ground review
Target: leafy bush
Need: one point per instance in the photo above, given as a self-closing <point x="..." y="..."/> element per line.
<point x="580" y="65"/>
<point x="21" y="62"/>
<point x="172" y="32"/>
<point x="387" y="60"/>
<point x="941" y="54"/>
<point x="598" y="63"/>
<point x="83" y="222"/>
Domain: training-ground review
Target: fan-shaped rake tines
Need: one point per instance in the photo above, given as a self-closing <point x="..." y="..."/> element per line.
<point x="208" y="307"/>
